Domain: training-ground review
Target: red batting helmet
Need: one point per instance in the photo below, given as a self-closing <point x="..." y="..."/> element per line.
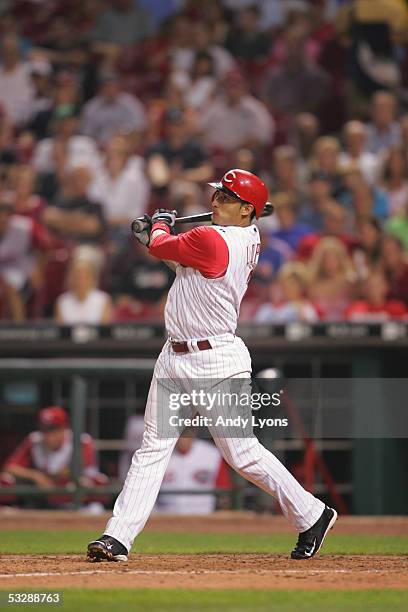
<point x="245" y="186"/>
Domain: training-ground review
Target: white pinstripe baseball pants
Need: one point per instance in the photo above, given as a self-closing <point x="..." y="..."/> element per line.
<point x="245" y="454"/>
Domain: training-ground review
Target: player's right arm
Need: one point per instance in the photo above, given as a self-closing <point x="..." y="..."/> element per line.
<point x="144" y="235"/>
<point x="35" y="476"/>
<point x="19" y="464"/>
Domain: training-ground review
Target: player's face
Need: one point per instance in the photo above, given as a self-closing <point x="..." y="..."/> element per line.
<point x="228" y="210"/>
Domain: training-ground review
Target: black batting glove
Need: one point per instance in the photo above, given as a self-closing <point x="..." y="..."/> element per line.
<point x="162" y="215"/>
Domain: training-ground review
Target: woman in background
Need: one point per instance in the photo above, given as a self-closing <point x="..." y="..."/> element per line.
<point x="293" y="283"/>
<point x="395" y="180"/>
<point x="83" y="302"/>
<point x="366" y="256"/>
<point x="333" y="279"/>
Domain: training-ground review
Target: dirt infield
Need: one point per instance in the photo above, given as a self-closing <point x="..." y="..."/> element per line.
<point x="216" y="571"/>
<point x="209" y="571"/>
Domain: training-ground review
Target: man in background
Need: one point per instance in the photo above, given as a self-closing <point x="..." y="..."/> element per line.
<point x="44" y="457"/>
<point x="195" y="465"/>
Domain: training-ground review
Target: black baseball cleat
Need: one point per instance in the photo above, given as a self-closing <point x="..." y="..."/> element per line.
<point x="310" y="542"/>
<point x="106" y="549"/>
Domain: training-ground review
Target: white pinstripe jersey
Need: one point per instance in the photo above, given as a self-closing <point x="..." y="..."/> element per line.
<point x="199" y="307"/>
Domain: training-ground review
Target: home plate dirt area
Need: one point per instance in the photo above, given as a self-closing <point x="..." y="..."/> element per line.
<point x="203" y="570"/>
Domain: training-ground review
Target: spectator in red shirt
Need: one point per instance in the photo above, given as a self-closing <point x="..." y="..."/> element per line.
<point x="26" y="201"/>
<point x="23" y="249"/>
<point x="375" y="306"/>
<point x="336" y="222"/>
<point x="44" y="457"/>
<point x="395" y="267"/>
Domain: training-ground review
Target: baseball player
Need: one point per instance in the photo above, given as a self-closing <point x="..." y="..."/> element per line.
<point x="44" y="457"/>
<point x="213" y="265"/>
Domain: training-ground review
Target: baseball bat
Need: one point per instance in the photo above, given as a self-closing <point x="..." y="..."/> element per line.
<point x="139" y="225"/>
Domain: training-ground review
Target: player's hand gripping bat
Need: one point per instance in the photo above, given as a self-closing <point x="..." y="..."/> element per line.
<point x="141" y="224"/>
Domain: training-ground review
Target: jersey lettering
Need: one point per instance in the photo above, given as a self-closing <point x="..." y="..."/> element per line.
<point x="253" y="251"/>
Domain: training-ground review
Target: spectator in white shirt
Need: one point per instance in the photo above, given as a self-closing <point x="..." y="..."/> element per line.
<point x="383" y="131"/>
<point x="236" y="119"/>
<point x="83" y="302"/>
<point x="16" y="88"/>
<point x="121" y="185"/>
<point x="355" y="138"/>
<point x="293" y="283"/>
<point x="198" y="85"/>
<point x="195" y="465"/>
<point x="24" y="244"/>
<point x="112" y="111"/>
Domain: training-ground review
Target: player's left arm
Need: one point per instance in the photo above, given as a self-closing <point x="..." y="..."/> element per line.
<point x="91" y="475"/>
<point x="202" y="248"/>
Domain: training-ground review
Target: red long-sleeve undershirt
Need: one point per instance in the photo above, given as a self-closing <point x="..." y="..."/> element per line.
<point x="201" y="248"/>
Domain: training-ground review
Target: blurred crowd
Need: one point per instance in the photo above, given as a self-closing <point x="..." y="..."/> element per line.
<point x="110" y="109"/>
